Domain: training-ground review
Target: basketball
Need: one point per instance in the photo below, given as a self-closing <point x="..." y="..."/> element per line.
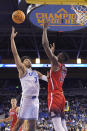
<point x="18" y="16"/>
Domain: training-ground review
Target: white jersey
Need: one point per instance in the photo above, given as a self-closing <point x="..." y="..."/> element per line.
<point x="30" y="83"/>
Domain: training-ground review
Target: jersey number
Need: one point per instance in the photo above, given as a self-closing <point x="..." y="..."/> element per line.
<point x="35" y="79"/>
<point x="62" y="76"/>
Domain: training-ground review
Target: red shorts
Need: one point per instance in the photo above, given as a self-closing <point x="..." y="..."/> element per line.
<point x="56" y="102"/>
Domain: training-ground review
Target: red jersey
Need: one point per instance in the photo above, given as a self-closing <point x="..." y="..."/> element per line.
<point x="13" y="116"/>
<point x="55" y="91"/>
<point x="56" y="80"/>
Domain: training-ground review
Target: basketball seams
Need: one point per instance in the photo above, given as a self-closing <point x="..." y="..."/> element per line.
<point x="18" y="16"/>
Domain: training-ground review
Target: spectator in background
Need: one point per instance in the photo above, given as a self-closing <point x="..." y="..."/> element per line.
<point x="13" y="114"/>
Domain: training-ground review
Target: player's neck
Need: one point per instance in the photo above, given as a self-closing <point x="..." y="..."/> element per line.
<point x="13" y="107"/>
<point x="29" y="68"/>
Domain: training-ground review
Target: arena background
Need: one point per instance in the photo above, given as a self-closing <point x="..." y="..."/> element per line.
<point x="28" y="42"/>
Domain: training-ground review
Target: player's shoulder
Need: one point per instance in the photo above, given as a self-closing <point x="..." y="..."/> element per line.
<point x="39" y="74"/>
<point x="29" y="70"/>
<point x="35" y="72"/>
<point x="17" y="109"/>
<point x="10" y="109"/>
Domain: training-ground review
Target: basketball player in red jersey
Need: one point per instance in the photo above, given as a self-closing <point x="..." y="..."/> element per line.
<point x="56" y="99"/>
<point x="13" y="114"/>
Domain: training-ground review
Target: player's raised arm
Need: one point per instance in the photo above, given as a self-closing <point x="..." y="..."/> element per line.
<point x="17" y="59"/>
<point x="45" y="43"/>
<point x="52" y="47"/>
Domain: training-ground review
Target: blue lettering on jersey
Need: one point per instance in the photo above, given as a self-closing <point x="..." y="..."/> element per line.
<point x="36" y="79"/>
<point x="62" y="77"/>
<point x="35" y="76"/>
<point x="63" y="73"/>
<point x="32" y="73"/>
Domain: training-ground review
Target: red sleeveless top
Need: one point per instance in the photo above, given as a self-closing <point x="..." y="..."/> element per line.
<point x="56" y="79"/>
<point x="13" y="116"/>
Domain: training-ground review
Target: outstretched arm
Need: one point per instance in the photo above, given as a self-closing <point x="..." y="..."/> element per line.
<point x="5" y="119"/>
<point x="45" y="43"/>
<point x="52" y="47"/>
<point x="42" y="77"/>
<point x="17" y="59"/>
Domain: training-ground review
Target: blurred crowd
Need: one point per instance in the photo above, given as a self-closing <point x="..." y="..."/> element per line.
<point x="76" y="116"/>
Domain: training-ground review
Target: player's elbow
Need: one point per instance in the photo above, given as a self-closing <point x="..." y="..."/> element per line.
<point x="43" y="41"/>
<point x="14" y="54"/>
<point x="44" y="44"/>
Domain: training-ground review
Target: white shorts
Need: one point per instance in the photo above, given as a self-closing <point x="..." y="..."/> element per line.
<point x="29" y="108"/>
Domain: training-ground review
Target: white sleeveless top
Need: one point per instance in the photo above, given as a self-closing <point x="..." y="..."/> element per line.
<point x="30" y="83"/>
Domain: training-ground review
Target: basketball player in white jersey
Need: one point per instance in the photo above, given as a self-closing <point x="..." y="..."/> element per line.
<point x="29" y="107"/>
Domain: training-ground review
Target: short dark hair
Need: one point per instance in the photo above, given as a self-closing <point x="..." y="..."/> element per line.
<point x="25" y="57"/>
<point x="65" y="56"/>
<point x="13" y="98"/>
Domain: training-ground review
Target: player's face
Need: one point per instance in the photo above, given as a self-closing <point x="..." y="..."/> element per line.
<point x="27" y="63"/>
<point x="60" y="57"/>
<point x="13" y="102"/>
